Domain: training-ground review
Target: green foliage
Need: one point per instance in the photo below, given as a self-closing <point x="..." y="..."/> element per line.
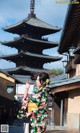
<point x="56" y="72"/>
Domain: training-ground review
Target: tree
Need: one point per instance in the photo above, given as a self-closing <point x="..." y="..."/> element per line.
<point x="56" y="72"/>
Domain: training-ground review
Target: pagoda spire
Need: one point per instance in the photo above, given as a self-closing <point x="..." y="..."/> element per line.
<point x="32" y="7"/>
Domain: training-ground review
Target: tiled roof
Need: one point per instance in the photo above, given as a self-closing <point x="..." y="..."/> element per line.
<point x="64" y="82"/>
<point x="25" y="69"/>
<point x="23" y="79"/>
<point x="43" y="56"/>
<point x="58" y="78"/>
<point x="31" y="41"/>
<point x="70" y="29"/>
<point x="34" y="22"/>
<point x="32" y="25"/>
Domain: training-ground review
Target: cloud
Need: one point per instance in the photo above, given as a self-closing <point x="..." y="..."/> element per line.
<point x="1" y="53"/>
<point x="51" y="52"/>
<point x="51" y="12"/>
<point x="11" y="9"/>
<point x="6" y="64"/>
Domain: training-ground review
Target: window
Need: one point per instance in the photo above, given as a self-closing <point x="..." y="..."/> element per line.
<point x="10" y="89"/>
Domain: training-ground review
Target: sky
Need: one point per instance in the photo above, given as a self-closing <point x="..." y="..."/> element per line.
<point x="12" y="12"/>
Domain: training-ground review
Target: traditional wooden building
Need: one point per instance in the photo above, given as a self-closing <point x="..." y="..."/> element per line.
<point x="70" y="40"/>
<point x="30" y="44"/>
<point x="67" y="92"/>
<point x="7" y="92"/>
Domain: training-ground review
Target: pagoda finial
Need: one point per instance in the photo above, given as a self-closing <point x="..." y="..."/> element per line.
<point x="32" y="4"/>
<point x="32" y="7"/>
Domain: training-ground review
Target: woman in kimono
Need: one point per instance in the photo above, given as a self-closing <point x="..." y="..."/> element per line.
<point x="37" y="103"/>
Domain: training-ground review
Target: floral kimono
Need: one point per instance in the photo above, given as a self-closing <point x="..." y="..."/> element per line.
<point x="38" y="106"/>
<point x="37" y="120"/>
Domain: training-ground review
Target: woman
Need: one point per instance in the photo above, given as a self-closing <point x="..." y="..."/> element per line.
<point x="37" y="104"/>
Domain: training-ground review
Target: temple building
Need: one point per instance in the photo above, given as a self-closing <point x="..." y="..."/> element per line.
<point x="30" y="45"/>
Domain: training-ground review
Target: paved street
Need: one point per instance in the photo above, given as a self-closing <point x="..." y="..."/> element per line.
<point x="61" y="131"/>
<point x="17" y="127"/>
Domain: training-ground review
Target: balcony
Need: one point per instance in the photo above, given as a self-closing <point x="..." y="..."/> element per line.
<point x="70" y="66"/>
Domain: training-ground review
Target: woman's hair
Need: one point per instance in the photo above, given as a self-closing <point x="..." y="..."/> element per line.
<point x="44" y="78"/>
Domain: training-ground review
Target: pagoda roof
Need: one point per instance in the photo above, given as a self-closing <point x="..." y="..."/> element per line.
<point x="31" y="56"/>
<point x="19" y="42"/>
<point x="32" y="25"/>
<point x="24" y="70"/>
<point x="23" y="79"/>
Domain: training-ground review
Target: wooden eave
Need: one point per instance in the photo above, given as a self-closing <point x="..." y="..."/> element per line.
<point x="25" y="70"/>
<point x="19" y="42"/>
<point x="65" y="85"/>
<point x="66" y="88"/>
<point x="71" y="27"/>
<point x="18" y="70"/>
<point x="32" y="25"/>
<point x="30" y="56"/>
<point x="6" y="76"/>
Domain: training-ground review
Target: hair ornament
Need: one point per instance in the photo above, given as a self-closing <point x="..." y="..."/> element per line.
<point x="47" y="81"/>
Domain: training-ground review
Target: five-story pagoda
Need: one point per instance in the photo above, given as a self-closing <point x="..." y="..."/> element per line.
<point x="30" y="59"/>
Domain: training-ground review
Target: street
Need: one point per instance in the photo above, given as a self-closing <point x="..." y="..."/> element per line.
<point x="65" y="131"/>
<point x="18" y="127"/>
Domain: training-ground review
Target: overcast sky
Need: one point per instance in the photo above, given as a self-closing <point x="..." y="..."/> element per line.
<point x="12" y="12"/>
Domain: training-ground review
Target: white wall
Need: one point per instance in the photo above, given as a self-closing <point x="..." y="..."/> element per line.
<point x="20" y="89"/>
<point x="73" y="114"/>
<point x="78" y="70"/>
<point x="74" y="101"/>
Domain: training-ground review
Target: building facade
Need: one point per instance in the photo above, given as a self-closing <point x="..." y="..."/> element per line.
<point x="67" y="92"/>
<point x="7" y="101"/>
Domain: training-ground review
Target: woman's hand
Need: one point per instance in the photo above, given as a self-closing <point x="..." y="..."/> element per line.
<point x="27" y="85"/>
<point x="26" y="91"/>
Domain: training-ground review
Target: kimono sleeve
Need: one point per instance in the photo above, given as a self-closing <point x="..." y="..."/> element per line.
<point x="44" y="98"/>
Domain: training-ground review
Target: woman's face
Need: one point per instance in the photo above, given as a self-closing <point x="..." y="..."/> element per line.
<point x="38" y="84"/>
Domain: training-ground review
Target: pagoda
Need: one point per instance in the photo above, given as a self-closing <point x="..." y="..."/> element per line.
<point x="30" y="45"/>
